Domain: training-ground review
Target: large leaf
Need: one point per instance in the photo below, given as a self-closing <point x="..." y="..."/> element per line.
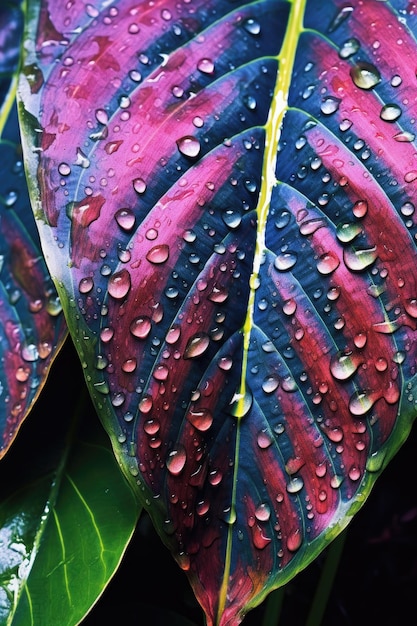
<point x="225" y="194"/>
<point x="32" y="326"/>
<point x="57" y="530"/>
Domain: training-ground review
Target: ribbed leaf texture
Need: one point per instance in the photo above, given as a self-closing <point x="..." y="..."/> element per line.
<point x="225" y="195"/>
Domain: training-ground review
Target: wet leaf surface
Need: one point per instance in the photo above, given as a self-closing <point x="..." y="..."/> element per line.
<point x="31" y="319"/>
<point x="60" y="520"/>
<point x="225" y="195"/>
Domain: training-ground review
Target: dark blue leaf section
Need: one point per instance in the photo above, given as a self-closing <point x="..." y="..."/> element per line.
<point x="31" y="318"/>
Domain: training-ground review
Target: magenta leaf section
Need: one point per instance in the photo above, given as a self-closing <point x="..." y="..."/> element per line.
<point x="31" y="320"/>
<point x="251" y="350"/>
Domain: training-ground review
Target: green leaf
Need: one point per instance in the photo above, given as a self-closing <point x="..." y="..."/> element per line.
<point x="62" y="535"/>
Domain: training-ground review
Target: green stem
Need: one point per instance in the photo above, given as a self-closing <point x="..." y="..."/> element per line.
<point x="273" y="607"/>
<point x="325" y="585"/>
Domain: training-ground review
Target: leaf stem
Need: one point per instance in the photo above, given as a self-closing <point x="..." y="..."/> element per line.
<point x="325" y="584"/>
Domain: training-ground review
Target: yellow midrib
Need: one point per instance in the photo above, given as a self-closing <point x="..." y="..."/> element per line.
<point x="273" y="126"/>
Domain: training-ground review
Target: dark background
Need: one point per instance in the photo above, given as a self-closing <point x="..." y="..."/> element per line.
<point x="376" y="581"/>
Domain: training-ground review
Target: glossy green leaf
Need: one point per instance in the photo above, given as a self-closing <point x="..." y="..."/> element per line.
<point x="225" y="192"/>
<point x="64" y="533"/>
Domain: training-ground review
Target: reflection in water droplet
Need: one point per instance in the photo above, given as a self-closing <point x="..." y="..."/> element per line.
<point x="196" y="345"/>
<point x="328" y="263"/>
<point x="361" y="402"/>
<point x="206" y="66"/>
<point x="252" y="26"/>
<point x="390" y="112"/>
<point x="330" y="105"/>
<point x="285" y="261"/>
<point x="119" y="284"/>
<point x="189" y="146"/>
<point x="201" y="419"/>
<point x="86" y="285"/>
<point x="343" y="365"/>
<point x="349" y="48"/>
<point x="358" y="260"/>
<point x="141" y="327"/>
<point x="176" y="460"/>
<point x="365" y="75"/>
<point x="125" y="219"/>
<point x="158" y="254"/>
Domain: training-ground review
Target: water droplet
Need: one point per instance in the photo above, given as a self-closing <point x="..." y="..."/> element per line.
<point x="361" y="402"/>
<point x="129" y="365"/>
<point x="270" y="384"/>
<point x="410" y="176"/>
<point x="196" y="345"/>
<point x="360" y="208"/>
<point x="328" y="263"/>
<point x="343" y="365"/>
<point x="252" y="26"/>
<point x="349" y="48"/>
<point x="264" y="439"/>
<point x="404" y="137"/>
<point x="141" y="327"/>
<point x="189" y="146"/>
<point x="365" y="75"/>
<point x="106" y="334"/>
<point x="206" y="66"/>
<point x="285" y="261"/>
<point x="347" y="232"/>
<point x="119" y="284"/>
<point x="263" y="513"/>
<point x="390" y="112"/>
<point x="86" y="285"/>
<point x="176" y="460"/>
<point x="330" y="105"/>
<point x="241" y="404"/>
<point x="342" y="15"/>
<point x="201" y="419"/>
<point x="125" y="219"/>
<point x="358" y="260"/>
<point x="295" y="485"/>
<point x="22" y="374"/>
<point x="64" y="169"/>
<point x="158" y="254"/>
<point x="101" y="116"/>
<point x="294" y="540"/>
<point x="139" y="185"/>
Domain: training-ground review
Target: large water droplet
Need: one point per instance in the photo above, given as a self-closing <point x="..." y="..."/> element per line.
<point x="196" y="345"/>
<point x="343" y="365"/>
<point x="358" y="260"/>
<point x="285" y="261"/>
<point x="365" y="75"/>
<point x="201" y="419"/>
<point x="176" y="460"/>
<point x="328" y="263"/>
<point x="125" y="219"/>
<point x="361" y="402"/>
<point x="349" y="48"/>
<point x="158" y="254"/>
<point x="119" y="284"/>
<point x="390" y="112"/>
<point x="189" y="146"/>
<point x="86" y="285"/>
<point x="330" y="105"/>
<point x="141" y="327"/>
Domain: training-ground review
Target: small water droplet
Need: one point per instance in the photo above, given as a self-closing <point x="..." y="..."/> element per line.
<point x="294" y="540"/>
<point x="349" y="48"/>
<point x="270" y="384"/>
<point x="252" y="26"/>
<point x="64" y="169"/>
<point x="139" y="185"/>
<point x="206" y="66"/>
<point x="264" y="439"/>
<point x="365" y="75"/>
